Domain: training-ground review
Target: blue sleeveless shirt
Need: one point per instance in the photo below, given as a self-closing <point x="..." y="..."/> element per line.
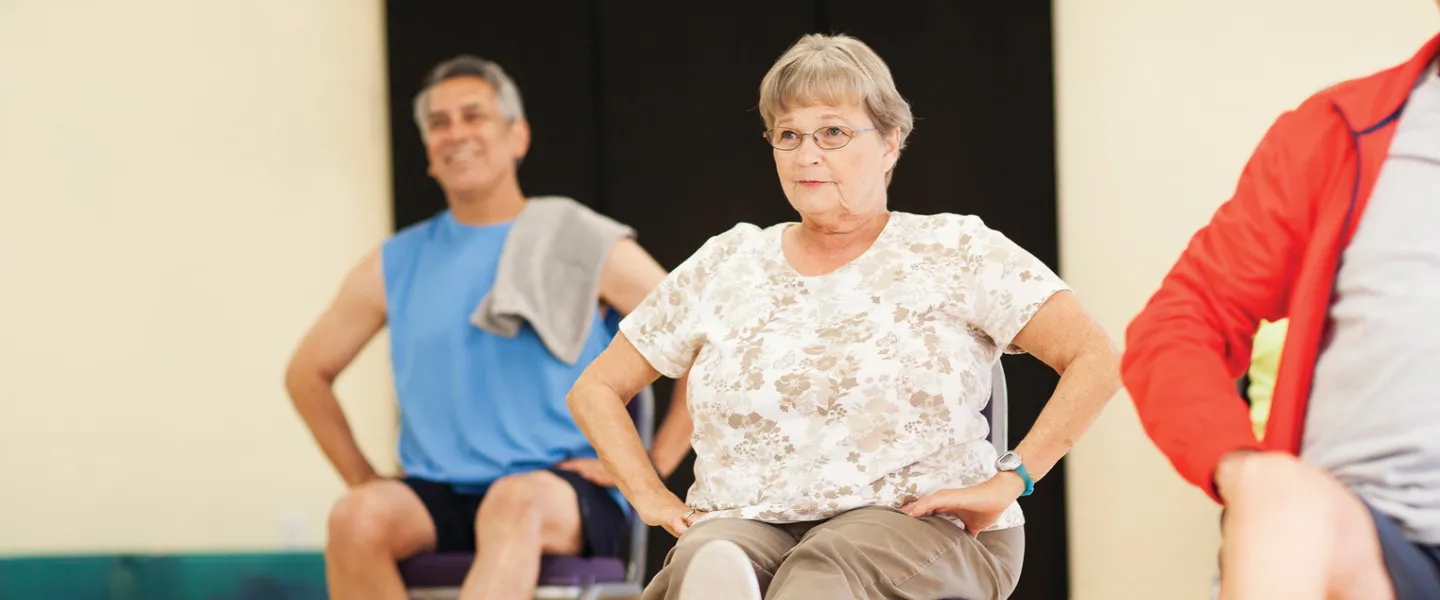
<point x="474" y="406"/>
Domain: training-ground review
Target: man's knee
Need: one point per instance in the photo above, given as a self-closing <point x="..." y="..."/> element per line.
<point x="519" y="497"/>
<point x="1274" y="482"/>
<point x="368" y="516"/>
<point x="1267" y="479"/>
<point x="538" y="506"/>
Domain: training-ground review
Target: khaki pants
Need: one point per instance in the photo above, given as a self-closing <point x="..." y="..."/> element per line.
<point x="871" y="553"/>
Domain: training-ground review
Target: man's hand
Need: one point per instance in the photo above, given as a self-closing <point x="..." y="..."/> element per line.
<point x="589" y="468"/>
<point x="977" y="507"/>
<point x="1228" y="469"/>
<point x="368" y="476"/>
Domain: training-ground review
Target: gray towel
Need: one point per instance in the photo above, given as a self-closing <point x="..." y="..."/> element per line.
<point x="549" y="274"/>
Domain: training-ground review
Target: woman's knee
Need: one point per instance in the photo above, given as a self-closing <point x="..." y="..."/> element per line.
<point x="698" y="536"/>
<point x="749" y="535"/>
<point x="829" y="547"/>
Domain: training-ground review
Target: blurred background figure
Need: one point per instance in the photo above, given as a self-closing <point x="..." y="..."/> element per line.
<point x="483" y="357"/>
<point x="1328" y="227"/>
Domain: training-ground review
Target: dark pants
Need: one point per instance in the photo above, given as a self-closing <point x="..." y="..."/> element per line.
<point x="602" y="522"/>
<point x="1414" y="568"/>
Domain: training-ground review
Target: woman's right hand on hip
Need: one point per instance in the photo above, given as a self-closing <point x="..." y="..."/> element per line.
<point x="669" y="512"/>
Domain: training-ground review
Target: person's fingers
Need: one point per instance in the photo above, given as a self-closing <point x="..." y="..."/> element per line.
<point x="941" y="501"/>
<point x="971" y="530"/>
<point x="588" y="470"/>
<point x="920" y="508"/>
<point x="676" y="526"/>
<point x="973" y="526"/>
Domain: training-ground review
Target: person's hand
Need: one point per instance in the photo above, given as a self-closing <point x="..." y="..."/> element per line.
<point x="369" y="475"/>
<point x="589" y="468"/>
<point x="667" y="511"/>
<point x="1227" y="470"/>
<point x="977" y="507"/>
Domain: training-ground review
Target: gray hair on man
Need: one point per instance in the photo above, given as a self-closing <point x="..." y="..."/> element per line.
<point x="512" y="109"/>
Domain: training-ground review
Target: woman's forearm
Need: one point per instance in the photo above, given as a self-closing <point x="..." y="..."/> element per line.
<point x="601" y="415"/>
<point x="1086" y="385"/>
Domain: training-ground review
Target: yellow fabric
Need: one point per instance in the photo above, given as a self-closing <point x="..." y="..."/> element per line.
<point x="1264" y="364"/>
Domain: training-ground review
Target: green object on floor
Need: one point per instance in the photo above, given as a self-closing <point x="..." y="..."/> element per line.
<point x="268" y="576"/>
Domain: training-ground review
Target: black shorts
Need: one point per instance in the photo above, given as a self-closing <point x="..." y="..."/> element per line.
<point x="603" y="524"/>
<point x="1414" y="568"/>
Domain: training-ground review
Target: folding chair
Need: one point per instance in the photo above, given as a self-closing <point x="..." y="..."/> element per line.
<point x="438" y="576"/>
<point x="998" y="410"/>
<point x="998" y="413"/>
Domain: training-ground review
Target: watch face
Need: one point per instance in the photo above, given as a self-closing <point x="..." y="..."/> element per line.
<point x="1008" y="462"/>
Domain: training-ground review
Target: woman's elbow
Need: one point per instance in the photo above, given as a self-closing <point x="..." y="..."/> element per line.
<point x="1106" y="363"/>
<point x="588" y="390"/>
<point x="579" y="392"/>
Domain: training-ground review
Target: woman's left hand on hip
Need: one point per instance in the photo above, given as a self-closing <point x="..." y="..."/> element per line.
<point x="977" y="507"/>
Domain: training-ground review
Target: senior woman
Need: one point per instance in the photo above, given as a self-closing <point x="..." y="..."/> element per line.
<point x="838" y="368"/>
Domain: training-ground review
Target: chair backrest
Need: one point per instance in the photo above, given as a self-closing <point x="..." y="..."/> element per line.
<point x="642" y="412"/>
<point x="997" y="411"/>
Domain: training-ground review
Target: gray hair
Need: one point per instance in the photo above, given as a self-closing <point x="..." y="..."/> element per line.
<point x="507" y="96"/>
<point x="833" y="69"/>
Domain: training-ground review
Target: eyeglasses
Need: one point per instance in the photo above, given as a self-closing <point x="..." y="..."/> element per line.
<point x="830" y="138"/>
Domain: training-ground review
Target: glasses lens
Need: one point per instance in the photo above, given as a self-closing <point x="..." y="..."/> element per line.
<point x="783" y="139"/>
<point x="832" y="137"/>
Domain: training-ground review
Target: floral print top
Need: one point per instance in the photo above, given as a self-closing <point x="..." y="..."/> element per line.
<point x="816" y="395"/>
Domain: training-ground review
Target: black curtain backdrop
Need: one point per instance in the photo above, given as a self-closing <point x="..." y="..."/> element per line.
<point x="646" y="111"/>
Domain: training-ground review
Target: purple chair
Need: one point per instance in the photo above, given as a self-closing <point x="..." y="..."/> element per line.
<point x="438" y="576"/>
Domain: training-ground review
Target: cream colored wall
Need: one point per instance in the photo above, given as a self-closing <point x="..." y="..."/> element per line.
<point x="184" y="184"/>
<point x="1159" y="104"/>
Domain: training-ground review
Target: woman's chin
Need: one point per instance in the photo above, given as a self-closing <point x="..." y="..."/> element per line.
<point x="817" y="206"/>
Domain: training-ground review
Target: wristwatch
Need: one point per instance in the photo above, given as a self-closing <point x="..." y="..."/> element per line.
<point x="1010" y="461"/>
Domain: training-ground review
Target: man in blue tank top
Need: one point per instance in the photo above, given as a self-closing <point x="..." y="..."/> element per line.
<point x="493" y="461"/>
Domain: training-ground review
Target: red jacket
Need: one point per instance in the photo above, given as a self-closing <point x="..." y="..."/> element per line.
<point x="1270" y="252"/>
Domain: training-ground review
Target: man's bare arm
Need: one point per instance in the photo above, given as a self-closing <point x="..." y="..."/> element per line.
<point x="630" y="275"/>
<point x="347" y="325"/>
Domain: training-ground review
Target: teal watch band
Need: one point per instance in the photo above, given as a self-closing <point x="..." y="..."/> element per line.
<point x="1029" y="483"/>
<point x="1010" y="461"/>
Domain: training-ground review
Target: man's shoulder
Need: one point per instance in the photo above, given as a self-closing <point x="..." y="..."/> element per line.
<point x="1371" y="97"/>
<point x="556" y="209"/>
<point x="414" y="232"/>
<point x="407" y="241"/>
<point x="1361" y="103"/>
